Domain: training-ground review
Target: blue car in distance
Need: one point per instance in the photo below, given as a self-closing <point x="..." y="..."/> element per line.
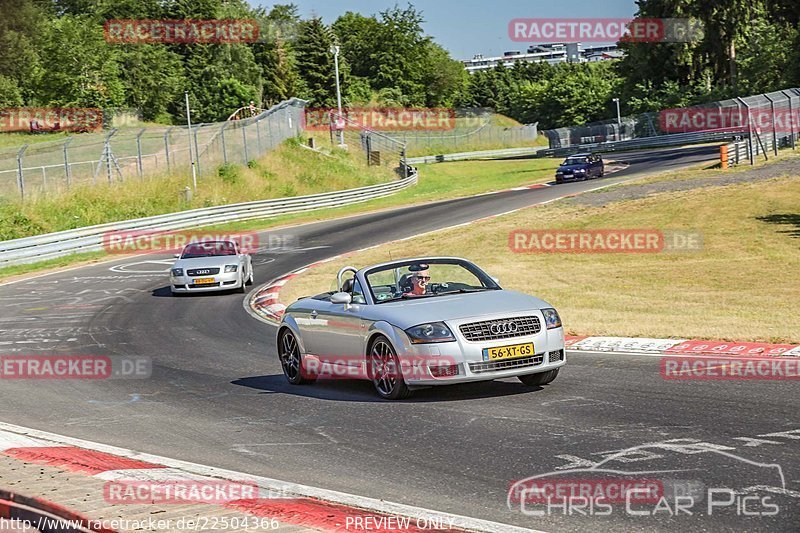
<point x="579" y="167"/>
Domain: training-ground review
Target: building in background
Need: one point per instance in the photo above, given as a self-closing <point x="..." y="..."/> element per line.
<point x="552" y="53"/>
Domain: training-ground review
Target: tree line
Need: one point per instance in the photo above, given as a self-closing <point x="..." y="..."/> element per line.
<point x="54" y="53"/>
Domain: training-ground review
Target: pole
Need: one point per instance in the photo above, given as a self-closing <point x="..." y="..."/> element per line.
<point x="166" y="145"/>
<point x="774" y="128"/>
<point x="139" y="152"/>
<point x="67" y="169"/>
<point x="619" y="120"/>
<point x="338" y="90"/>
<point x="191" y="156"/>
<point x="20" y="174"/>
<point x="791" y="118"/>
<point x="749" y="132"/>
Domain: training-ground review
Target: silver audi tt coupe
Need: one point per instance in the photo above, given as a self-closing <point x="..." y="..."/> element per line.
<point x="211" y="266"/>
<point x="419" y="322"/>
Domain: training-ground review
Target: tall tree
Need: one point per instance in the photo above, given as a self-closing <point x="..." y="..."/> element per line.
<point x="315" y="63"/>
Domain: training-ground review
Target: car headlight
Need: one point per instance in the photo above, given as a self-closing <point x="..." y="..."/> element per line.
<point x="231" y="268"/>
<point x="177" y="272"/>
<point x="559" y="171"/>
<point x="580" y="170"/>
<point x="551" y="318"/>
<point x="431" y="332"/>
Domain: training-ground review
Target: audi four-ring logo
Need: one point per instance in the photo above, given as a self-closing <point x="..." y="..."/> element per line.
<point x="202" y="272"/>
<point x="503" y="327"/>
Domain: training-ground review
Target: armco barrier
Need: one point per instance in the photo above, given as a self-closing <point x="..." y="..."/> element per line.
<point x="678" y="139"/>
<point x="90" y="239"/>
<point x="463" y="156"/>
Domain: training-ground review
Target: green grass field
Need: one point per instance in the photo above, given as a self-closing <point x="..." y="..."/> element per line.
<point x="436" y="182"/>
<point x="742" y="285"/>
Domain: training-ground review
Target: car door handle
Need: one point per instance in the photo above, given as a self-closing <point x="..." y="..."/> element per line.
<point x="314" y="314"/>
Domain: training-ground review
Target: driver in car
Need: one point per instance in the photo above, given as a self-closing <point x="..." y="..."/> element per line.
<point x="420" y="277"/>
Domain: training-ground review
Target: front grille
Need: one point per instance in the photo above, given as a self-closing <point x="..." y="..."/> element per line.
<point x="494" y="366"/>
<point x="556" y="356"/>
<point x="505" y="328"/>
<point x="203" y="271"/>
<point x="203" y="285"/>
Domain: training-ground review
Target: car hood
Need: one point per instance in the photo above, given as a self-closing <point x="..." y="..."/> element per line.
<point x="573" y="167"/>
<point x="411" y="312"/>
<point x="207" y="262"/>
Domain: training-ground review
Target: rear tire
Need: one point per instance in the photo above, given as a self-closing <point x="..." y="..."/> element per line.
<point x="542" y="378"/>
<point x="385" y="371"/>
<point x="292" y="360"/>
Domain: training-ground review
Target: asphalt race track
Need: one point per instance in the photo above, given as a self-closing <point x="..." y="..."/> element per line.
<point x="217" y="395"/>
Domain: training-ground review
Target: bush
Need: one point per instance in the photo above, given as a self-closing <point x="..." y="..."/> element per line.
<point x="229" y="173"/>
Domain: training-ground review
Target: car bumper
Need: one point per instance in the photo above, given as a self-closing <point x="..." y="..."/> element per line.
<point x="571" y="177"/>
<point x="464" y="362"/>
<point x="222" y="282"/>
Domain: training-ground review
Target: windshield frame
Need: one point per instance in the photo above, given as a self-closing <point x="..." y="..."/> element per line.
<point x="566" y="162"/>
<point x="488" y="282"/>
<point x="232" y="244"/>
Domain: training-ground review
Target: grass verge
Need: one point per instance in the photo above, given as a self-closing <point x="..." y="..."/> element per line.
<point x="437" y="182"/>
<point x="741" y="286"/>
<point x="289" y="170"/>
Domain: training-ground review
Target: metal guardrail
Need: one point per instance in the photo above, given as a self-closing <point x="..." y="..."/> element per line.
<point x="90" y="239"/>
<point x="464" y="156"/>
<point x="677" y="139"/>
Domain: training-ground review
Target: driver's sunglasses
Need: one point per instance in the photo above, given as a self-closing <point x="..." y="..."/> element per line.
<point x="426" y="278"/>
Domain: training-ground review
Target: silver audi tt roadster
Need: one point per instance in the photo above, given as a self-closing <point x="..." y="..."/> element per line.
<point x="419" y="322"/>
<point x="211" y="266"/>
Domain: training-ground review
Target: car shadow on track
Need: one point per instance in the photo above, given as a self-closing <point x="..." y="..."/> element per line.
<point x="342" y="390"/>
<point x="165" y="292"/>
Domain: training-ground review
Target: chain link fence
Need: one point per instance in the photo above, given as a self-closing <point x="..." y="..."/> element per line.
<point x="378" y="149"/>
<point x="131" y="153"/>
<point x="772" y="118"/>
<point x="475" y="129"/>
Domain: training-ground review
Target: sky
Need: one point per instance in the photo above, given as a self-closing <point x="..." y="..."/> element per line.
<point x="469" y="27"/>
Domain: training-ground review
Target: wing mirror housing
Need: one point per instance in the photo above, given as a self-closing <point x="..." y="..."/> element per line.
<point x="496" y="280"/>
<point x="341" y="298"/>
<point x="176" y="256"/>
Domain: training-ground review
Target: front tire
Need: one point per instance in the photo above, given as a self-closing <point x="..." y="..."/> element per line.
<point x="292" y="360"/>
<point x="542" y="378"/>
<point x="385" y="372"/>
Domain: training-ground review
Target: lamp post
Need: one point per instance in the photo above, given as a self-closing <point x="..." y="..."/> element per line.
<point x="335" y="51"/>
<point x="191" y="155"/>
<point x="619" y="120"/>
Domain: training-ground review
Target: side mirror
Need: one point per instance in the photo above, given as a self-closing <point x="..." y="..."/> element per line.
<point x="341" y="298"/>
<point x="176" y="256"/>
<point x="496" y="280"/>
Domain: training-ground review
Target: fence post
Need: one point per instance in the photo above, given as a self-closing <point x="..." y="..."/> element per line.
<point x="258" y="138"/>
<point x="166" y="145"/>
<point x="244" y="139"/>
<point x="774" y="132"/>
<point x="749" y="132"/>
<point x="139" y="152"/>
<point x="224" y="148"/>
<point x="20" y="174"/>
<point x="196" y="149"/>
<point x="791" y="119"/>
<point x="67" y="169"/>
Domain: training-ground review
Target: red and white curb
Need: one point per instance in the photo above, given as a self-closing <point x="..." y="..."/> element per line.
<point x="289" y="503"/>
<point x="679" y="347"/>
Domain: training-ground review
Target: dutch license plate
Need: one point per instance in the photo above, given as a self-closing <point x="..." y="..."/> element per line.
<point x="508" y="352"/>
<point x="204" y="281"/>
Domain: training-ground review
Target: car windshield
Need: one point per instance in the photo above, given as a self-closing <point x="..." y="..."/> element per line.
<point x="208" y="249"/>
<point x="574" y="161"/>
<point x="426" y="279"/>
